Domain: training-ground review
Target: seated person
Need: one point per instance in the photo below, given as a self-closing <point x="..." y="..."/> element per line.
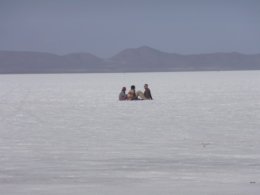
<point x="147" y="92"/>
<point x="146" y="95"/>
<point x="131" y="94"/>
<point x="122" y="95"/>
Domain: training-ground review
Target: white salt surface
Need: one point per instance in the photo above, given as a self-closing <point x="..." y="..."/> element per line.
<point x="68" y="134"/>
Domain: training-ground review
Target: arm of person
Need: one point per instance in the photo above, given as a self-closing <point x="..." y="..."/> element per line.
<point x="150" y="94"/>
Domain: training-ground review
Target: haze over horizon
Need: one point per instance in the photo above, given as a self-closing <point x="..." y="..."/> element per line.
<point x="104" y="28"/>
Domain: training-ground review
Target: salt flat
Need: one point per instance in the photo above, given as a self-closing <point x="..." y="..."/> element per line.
<point x="68" y="134"/>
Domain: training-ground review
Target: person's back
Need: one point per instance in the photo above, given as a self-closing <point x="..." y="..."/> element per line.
<point x="122" y="95"/>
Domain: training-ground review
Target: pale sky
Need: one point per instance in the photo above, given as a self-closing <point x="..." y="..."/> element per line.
<point x="105" y="27"/>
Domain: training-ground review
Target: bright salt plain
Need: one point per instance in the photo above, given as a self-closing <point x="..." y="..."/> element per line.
<point x="68" y="134"/>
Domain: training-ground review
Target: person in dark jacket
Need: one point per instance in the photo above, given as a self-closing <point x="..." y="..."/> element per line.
<point x="147" y="92"/>
<point x="146" y="95"/>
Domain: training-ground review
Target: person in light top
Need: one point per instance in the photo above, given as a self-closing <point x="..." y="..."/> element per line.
<point x="122" y="94"/>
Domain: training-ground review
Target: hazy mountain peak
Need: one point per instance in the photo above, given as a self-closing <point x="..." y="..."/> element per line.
<point x="147" y="48"/>
<point x="137" y="52"/>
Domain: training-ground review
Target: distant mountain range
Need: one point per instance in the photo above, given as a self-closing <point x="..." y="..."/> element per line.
<point x="142" y="59"/>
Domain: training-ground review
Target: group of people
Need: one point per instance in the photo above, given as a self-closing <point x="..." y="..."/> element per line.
<point x="133" y="95"/>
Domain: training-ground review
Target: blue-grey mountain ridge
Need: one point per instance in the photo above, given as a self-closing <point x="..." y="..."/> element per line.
<point x="142" y="59"/>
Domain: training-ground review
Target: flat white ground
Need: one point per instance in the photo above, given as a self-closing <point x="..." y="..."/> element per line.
<point x="68" y="134"/>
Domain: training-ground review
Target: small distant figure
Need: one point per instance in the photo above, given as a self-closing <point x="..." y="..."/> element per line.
<point x="146" y="95"/>
<point x="131" y="94"/>
<point x="122" y="94"/>
<point x="147" y="92"/>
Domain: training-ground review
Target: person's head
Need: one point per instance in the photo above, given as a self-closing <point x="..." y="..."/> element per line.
<point x="145" y="86"/>
<point x="133" y="87"/>
<point x="124" y="89"/>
